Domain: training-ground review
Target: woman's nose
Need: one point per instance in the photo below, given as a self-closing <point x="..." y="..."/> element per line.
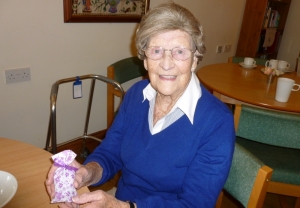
<point x="166" y="61"/>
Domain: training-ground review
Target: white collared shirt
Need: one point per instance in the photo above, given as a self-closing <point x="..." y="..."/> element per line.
<point x="186" y="104"/>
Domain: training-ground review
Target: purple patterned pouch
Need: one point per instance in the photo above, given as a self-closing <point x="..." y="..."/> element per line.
<point x="64" y="177"/>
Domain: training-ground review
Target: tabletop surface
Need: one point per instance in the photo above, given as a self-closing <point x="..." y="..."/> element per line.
<point x="30" y="165"/>
<point x="248" y="85"/>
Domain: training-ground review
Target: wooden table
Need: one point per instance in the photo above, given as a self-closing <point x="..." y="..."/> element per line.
<point x="30" y="165"/>
<point x="234" y="84"/>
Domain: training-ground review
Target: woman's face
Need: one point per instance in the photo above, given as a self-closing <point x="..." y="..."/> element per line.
<point x="168" y="76"/>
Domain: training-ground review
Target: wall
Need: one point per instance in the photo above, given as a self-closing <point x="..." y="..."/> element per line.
<point x="290" y="43"/>
<point x="34" y="35"/>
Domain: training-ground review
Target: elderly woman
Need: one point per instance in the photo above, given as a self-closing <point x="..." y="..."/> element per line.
<point x="172" y="140"/>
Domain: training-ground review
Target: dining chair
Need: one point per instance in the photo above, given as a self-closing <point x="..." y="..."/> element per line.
<point x="274" y="138"/>
<point x="237" y="59"/>
<point x="122" y="71"/>
<point x="248" y="179"/>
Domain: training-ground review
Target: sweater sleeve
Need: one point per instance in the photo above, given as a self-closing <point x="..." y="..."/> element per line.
<point x="107" y="154"/>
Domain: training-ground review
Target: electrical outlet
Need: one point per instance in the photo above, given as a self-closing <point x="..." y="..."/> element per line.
<point x="227" y="48"/>
<point x="219" y="49"/>
<point x="17" y="75"/>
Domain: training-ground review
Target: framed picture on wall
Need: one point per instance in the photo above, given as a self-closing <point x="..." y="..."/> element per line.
<point x="104" y="10"/>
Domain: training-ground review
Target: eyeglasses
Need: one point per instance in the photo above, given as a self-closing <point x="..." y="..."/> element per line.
<point x="178" y="53"/>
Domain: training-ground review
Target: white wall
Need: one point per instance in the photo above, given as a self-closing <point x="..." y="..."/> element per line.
<point x="290" y="44"/>
<point x="33" y="35"/>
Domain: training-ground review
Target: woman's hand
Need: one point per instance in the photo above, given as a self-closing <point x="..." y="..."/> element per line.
<point x="96" y="199"/>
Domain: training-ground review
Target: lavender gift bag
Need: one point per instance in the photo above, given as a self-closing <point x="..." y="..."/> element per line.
<point x="64" y="177"/>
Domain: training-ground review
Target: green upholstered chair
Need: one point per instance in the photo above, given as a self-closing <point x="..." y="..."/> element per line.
<point x="122" y="71"/>
<point x="236" y="59"/>
<point x="274" y="138"/>
<point x="248" y="179"/>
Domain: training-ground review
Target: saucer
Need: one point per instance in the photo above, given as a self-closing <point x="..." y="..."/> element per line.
<point x="246" y="66"/>
<point x="287" y="70"/>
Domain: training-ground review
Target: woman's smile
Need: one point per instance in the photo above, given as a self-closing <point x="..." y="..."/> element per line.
<point x="167" y="77"/>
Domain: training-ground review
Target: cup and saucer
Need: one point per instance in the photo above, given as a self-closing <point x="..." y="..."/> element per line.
<point x="247" y="66"/>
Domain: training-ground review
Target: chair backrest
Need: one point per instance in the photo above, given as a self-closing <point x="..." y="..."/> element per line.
<point x="122" y="71"/>
<point x="248" y="179"/>
<point x="237" y="59"/>
<point x="268" y="126"/>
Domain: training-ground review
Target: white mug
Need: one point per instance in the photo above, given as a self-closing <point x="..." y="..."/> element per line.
<point x="282" y="65"/>
<point x="284" y="88"/>
<point x="272" y="64"/>
<point x="249" y="61"/>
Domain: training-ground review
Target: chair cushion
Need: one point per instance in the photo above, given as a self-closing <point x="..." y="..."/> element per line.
<point x="285" y="162"/>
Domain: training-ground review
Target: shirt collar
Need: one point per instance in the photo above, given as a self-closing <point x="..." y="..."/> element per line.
<point x="149" y="92"/>
<point x="188" y="100"/>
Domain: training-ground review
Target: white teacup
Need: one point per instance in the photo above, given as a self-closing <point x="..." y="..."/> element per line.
<point x="249" y="61"/>
<point x="282" y="65"/>
<point x="272" y="64"/>
<point x="284" y="88"/>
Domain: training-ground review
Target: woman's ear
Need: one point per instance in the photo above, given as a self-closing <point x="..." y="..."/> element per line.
<point x="145" y="64"/>
<point x="195" y="63"/>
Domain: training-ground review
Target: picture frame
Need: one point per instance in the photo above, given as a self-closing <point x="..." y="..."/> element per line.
<point x="84" y="11"/>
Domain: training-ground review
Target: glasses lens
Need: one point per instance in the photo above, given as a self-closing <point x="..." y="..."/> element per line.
<point x="181" y="54"/>
<point x="154" y="53"/>
<point x="178" y="53"/>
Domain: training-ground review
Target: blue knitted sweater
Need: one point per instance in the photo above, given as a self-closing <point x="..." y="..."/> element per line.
<point x="184" y="165"/>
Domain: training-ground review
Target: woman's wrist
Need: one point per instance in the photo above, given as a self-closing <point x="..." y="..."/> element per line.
<point x="94" y="171"/>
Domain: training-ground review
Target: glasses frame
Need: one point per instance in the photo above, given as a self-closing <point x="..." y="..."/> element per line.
<point x="193" y="51"/>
